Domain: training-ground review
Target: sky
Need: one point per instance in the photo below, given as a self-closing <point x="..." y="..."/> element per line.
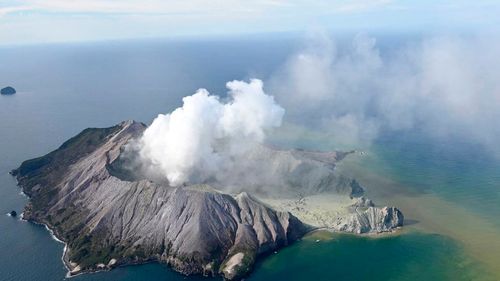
<point x="45" y="21"/>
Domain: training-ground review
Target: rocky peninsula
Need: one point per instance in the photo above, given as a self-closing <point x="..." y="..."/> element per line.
<point x="107" y="218"/>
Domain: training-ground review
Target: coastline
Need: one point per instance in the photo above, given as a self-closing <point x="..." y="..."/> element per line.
<point x="53" y="235"/>
<point x="47" y="227"/>
<point x="55" y="238"/>
<point x="321" y="234"/>
<point x="70" y="272"/>
<point x="433" y="214"/>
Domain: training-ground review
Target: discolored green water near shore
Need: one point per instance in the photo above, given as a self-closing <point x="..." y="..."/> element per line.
<point x="444" y="188"/>
<point x="449" y="192"/>
<point x="409" y="256"/>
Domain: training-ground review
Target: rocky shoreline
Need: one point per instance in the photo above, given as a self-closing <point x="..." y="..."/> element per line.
<point x="107" y="221"/>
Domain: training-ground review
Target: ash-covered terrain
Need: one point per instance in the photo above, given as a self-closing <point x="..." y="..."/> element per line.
<point x="108" y="219"/>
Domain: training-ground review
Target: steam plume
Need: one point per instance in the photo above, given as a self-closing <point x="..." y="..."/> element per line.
<point x="197" y="140"/>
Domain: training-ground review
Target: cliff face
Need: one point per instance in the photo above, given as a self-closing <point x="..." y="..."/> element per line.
<point x="373" y="219"/>
<point x="107" y="221"/>
<point x="108" y="217"/>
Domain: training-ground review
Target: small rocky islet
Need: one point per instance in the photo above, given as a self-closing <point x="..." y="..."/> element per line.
<point x="109" y="218"/>
<point x="8" y="91"/>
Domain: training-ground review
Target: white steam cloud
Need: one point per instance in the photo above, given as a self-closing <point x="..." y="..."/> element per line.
<point x="206" y="135"/>
<point x="442" y="86"/>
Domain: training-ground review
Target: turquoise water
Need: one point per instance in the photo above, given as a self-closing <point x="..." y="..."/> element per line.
<point x="411" y="256"/>
<point x="63" y="89"/>
<point x="455" y="171"/>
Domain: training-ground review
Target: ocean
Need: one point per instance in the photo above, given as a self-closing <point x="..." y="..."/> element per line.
<point x="448" y="191"/>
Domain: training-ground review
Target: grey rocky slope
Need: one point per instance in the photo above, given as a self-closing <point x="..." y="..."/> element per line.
<point x="108" y="218"/>
<point x="287" y="173"/>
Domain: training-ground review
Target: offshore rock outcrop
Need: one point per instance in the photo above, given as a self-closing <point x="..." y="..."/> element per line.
<point x="109" y="218"/>
<point x="7" y="91"/>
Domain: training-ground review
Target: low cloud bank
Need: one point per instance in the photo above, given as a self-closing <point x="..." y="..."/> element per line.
<point x="443" y="86"/>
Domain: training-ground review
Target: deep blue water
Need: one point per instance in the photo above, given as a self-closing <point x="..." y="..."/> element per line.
<point x="65" y="88"/>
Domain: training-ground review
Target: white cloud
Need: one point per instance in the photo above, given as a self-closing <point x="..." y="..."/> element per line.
<point x="202" y="138"/>
<point x="447" y="87"/>
<point x="153" y="7"/>
<point x="363" y="5"/>
<point x="41" y="21"/>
